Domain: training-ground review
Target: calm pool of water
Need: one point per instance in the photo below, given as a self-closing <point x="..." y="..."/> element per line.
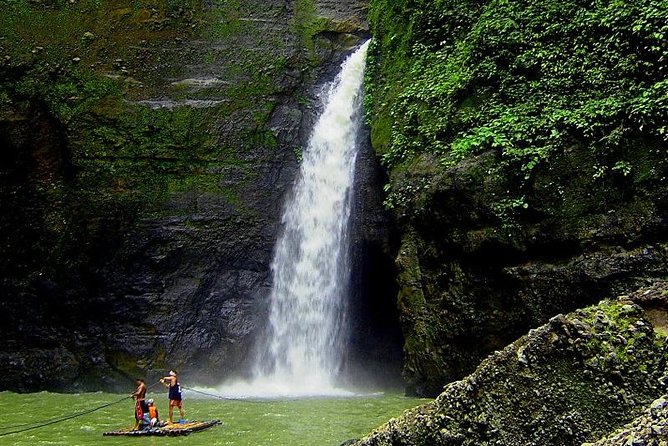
<point x="305" y="422"/>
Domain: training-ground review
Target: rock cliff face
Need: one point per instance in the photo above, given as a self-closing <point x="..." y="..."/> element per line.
<point x="525" y="146"/>
<point x="146" y="150"/>
<point x="572" y="380"/>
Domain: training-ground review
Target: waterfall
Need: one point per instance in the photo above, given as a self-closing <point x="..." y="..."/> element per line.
<point x="311" y="269"/>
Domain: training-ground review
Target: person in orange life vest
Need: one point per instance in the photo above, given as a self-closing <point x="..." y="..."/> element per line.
<point x="153" y="417"/>
<point x="172" y="383"/>
<point x="140" y="405"/>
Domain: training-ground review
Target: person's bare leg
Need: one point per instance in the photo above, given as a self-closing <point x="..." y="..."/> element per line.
<point x="183" y="413"/>
<point x="171" y="412"/>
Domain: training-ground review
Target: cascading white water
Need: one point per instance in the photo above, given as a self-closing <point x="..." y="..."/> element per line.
<point x="311" y="271"/>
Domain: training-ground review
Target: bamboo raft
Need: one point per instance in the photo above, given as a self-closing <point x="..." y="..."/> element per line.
<point x="170" y="430"/>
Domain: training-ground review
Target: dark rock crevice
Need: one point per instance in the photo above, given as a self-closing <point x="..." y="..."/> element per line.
<point x="375" y="355"/>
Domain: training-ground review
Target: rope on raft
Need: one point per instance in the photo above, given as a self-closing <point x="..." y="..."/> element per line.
<point x="229" y="398"/>
<point x="18" y="428"/>
<point x="220" y="397"/>
<point x="57" y="419"/>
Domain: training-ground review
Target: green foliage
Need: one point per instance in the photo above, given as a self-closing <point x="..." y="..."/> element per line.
<point x="524" y="80"/>
<point x="299" y="153"/>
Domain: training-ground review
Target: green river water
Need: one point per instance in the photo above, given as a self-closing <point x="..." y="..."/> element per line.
<point x="303" y="422"/>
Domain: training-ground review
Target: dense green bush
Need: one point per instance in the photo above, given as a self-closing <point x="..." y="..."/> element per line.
<point x="523" y="79"/>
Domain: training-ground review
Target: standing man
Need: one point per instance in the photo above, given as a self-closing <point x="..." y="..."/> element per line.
<point x="172" y="383"/>
<point x="140" y="405"/>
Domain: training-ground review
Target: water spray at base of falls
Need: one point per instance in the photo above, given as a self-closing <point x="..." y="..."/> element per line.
<point x="307" y="333"/>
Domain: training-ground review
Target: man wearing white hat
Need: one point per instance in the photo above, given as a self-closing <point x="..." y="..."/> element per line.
<point x="172" y="383"/>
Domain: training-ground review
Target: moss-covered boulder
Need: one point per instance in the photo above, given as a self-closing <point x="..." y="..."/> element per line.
<point x="572" y="380"/>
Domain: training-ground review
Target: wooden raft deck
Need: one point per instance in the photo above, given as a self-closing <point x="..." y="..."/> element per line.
<point x="169" y="430"/>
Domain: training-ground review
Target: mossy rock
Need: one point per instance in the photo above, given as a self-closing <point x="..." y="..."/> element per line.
<point x="572" y="380"/>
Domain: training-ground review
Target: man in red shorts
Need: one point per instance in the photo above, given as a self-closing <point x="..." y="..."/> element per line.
<point x="172" y="383"/>
<point x="140" y="405"/>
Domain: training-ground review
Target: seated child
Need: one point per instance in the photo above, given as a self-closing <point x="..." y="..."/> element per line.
<point x="153" y="417"/>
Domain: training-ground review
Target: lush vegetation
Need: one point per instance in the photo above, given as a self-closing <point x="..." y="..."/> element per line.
<point x="525" y="80"/>
<point x="520" y="138"/>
